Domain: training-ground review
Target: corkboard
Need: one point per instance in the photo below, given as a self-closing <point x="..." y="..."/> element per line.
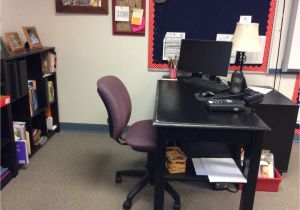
<point x="124" y="28"/>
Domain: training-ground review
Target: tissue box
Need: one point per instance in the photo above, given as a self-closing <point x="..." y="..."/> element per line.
<point x="267" y="184"/>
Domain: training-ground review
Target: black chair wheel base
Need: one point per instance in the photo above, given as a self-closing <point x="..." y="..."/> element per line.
<point x="127" y="205"/>
<point x="118" y="179"/>
<point x="176" y="206"/>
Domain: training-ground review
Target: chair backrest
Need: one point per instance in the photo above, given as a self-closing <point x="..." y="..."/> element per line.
<point x="117" y="102"/>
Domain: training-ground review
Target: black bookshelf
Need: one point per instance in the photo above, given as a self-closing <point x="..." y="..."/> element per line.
<point x="17" y="69"/>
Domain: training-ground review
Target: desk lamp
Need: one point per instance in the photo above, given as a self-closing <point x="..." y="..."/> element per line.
<point x="245" y="39"/>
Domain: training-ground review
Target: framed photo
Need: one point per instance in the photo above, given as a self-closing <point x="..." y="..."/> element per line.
<point x="14" y="41"/>
<point x="82" y="6"/>
<point x="128" y="17"/>
<point x="32" y="37"/>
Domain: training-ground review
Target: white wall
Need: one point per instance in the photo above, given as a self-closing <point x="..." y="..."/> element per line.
<point x="87" y="50"/>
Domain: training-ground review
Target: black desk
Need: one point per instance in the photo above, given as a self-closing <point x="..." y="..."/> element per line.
<point x="179" y="116"/>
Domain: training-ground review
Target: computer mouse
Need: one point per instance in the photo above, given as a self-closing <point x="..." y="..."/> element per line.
<point x="207" y="94"/>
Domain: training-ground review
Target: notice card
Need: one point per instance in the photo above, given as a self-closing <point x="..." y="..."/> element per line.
<point x="121" y="14"/>
<point x="171" y="44"/>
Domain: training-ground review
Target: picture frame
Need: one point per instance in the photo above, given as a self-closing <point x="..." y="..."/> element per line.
<point x="82" y="6"/>
<point x="14" y="41"/>
<point x="32" y="37"/>
<point x="126" y="28"/>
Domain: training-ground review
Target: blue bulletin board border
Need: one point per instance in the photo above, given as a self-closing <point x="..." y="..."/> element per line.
<point x="159" y="17"/>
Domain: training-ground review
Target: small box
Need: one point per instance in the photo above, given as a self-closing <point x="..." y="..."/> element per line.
<point x="267" y="184"/>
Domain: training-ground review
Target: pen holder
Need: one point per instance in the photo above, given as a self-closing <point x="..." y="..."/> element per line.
<point x="172" y="73"/>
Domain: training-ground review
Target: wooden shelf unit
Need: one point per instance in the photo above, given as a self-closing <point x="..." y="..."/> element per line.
<point x="17" y="69"/>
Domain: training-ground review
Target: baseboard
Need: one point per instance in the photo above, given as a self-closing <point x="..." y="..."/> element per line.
<point x="82" y="127"/>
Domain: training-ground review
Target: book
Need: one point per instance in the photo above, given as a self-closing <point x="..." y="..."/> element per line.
<point x="19" y="130"/>
<point x="20" y="133"/>
<point x="33" y="99"/>
<point x="50" y="93"/>
<point x="4" y="174"/>
<point x="3" y="170"/>
<point x="28" y="143"/>
<point x="22" y="153"/>
<point x="53" y="61"/>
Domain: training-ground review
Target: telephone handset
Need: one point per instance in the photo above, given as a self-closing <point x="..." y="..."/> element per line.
<point x="238" y="82"/>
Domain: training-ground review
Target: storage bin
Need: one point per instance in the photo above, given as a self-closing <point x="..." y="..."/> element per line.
<point x="267" y="184"/>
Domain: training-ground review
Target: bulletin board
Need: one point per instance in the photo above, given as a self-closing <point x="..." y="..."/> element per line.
<point x="201" y="19"/>
<point x="126" y="28"/>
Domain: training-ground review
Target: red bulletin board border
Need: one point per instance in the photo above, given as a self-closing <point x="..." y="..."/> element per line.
<point x="295" y="97"/>
<point x="296" y="88"/>
<point x="261" y="68"/>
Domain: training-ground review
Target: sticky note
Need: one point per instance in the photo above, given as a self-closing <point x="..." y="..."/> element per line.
<point x="137" y="16"/>
<point x="136" y="28"/>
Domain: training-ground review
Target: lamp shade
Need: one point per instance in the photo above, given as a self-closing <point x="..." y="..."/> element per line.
<point x="246" y="38"/>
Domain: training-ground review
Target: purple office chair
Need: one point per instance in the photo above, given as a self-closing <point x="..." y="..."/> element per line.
<point x="141" y="136"/>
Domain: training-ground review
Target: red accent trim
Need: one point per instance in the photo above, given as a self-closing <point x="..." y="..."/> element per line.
<point x="262" y="68"/>
<point x="296" y="88"/>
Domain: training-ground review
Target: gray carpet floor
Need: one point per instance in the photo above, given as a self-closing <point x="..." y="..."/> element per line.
<point x="75" y="171"/>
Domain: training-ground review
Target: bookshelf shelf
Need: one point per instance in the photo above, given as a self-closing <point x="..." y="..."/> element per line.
<point x="25" y="77"/>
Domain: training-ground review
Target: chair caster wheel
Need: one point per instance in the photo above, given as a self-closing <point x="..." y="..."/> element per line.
<point x="118" y="179"/>
<point x="176" y="206"/>
<point x="127" y="205"/>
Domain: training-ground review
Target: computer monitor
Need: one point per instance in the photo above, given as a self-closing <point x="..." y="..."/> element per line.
<point x="206" y="57"/>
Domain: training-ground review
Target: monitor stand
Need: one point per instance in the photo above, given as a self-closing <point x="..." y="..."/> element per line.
<point x="208" y="76"/>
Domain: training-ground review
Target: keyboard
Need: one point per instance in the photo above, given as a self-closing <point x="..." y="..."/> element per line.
<point x="225" y="105"/>
<point x="205" y="85"/>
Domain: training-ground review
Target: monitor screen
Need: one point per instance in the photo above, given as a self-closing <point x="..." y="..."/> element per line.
<point x="206" y="57"/>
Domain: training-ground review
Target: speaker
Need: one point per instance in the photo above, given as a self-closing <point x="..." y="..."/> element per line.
<point x="238" y="82"/>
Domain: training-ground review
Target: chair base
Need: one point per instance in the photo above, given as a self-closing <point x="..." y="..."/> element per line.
<point x="134" y="173"/>
<point x="147" y="178"/>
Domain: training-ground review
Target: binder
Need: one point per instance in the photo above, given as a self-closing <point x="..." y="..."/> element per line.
<point x="13" y="80"/>
<point x="22" y="74"/>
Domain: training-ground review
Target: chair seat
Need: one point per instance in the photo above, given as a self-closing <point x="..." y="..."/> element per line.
<point x="141" y="136"/>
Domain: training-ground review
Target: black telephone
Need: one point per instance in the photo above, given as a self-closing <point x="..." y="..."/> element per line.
<point x="238" y="82"/>
<point x="252" y="97"/>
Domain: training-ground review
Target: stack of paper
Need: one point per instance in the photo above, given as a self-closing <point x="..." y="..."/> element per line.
<point x="219" y="170"/>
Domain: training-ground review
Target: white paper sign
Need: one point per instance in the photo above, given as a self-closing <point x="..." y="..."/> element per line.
<point x="245" y="19"/>
<point x="121" y="14"/>
<point x="171" y="44"/>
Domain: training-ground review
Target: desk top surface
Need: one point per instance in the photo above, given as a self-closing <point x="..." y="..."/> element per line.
<point x="176" y="106"/>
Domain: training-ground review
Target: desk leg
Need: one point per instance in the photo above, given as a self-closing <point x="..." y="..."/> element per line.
<point x="251" y="164"/>
<point x="159" y="177"/>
